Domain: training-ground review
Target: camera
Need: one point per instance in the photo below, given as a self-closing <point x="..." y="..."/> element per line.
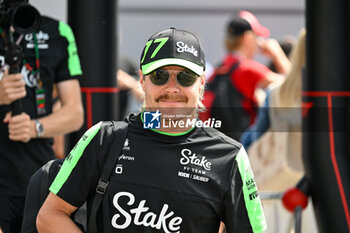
<point x="19" y="17"/>
<point x="23" y="17"/>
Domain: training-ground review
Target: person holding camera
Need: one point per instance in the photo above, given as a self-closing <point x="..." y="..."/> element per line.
<point x="48" y="56"/>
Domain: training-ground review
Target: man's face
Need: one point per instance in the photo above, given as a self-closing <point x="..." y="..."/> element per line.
<point x="172" y="97"/>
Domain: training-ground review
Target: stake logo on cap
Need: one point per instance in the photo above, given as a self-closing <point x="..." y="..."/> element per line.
<point x="173" y="47"/>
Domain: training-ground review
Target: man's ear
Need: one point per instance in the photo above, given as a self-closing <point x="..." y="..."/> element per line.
<point x="142" y="80"/>
<point x="202" y="83"/>
<point x="202" y="78"/>
<point x="247" y="36"/>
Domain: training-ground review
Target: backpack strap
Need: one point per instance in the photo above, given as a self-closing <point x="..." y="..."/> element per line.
<point x="227" y="68"/>
<point x="121" y="129"/>
<point x="232" y="68"/>
<point x="222" y="70"/>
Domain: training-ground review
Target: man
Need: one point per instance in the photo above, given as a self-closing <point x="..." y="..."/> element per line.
<point x="176" y="178"/>
<point x="244" y="37"/>
<point x="49" y="57"/>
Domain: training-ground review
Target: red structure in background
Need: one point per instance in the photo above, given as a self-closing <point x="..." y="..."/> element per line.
<point x="329" y="95"/>
<point x="89" y="91"/>
<point x="326" y="126"/>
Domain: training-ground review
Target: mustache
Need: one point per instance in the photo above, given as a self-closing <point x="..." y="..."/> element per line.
<point x="180" y="98"/>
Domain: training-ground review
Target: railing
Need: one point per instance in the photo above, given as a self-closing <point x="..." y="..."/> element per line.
<point x="298" y="209"/>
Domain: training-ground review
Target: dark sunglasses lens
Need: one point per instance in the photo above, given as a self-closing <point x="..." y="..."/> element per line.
<point x="159" y="77"/>
<point x="186" y="78"/>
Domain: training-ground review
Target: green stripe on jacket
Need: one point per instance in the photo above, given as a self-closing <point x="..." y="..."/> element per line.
<point x="250" y="192"/>
<point x="72" y="159"/>
<point x="73" y="58"/>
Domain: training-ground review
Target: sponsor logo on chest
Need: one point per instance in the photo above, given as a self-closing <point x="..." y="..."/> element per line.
<point x="141" y="215"/>
<point x="42" y="40"/>
<point x="191" y="158"/>
<point x="126" y="144"/>
<point x="195" y="166"/>
<point x="124" y="157"/>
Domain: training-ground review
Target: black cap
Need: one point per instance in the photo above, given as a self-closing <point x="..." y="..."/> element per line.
<point x="173" y="47"/>
<point x="246" y="21"/>
<point x="238" y="26"/>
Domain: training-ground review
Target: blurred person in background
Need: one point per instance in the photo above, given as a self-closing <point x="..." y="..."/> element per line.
<point x="49" y="57"/>
<point x="283" y="95"/>
<point x="279" y="123"/>
<point x="245" y="37"/>
<point x="131" y="94"/>
<point x="286" y="44"/>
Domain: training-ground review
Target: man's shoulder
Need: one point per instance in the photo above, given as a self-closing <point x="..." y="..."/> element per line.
<point x="251" y="70"/>
<point x="48" y="22"/>
<point x="46" y="18"/>
<point x="221" y="137"/>
<point x="230" y="59"/>
<point x="250" y="64"/>
<point x="55" y="27"/>
<point x="244" y="64"/>
<point x="102" y="131"/>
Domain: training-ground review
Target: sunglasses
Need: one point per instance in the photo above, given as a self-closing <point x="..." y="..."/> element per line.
<point x="185" y="78"/>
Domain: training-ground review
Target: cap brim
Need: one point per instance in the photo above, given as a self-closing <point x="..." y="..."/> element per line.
<point x="262" y="31"/>
<point x="255" y="24"/>
<point x="148" y="68"/>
